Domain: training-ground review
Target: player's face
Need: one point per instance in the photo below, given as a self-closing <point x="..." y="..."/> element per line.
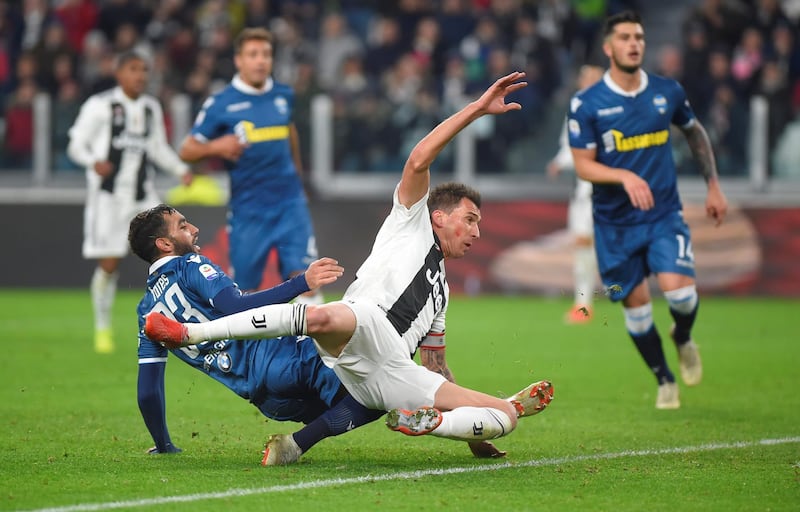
<point x="182" y="234"/>
<point x="254" y="62"/>
<point x="458" y="230"/>
<point x="132" y="77"/>
<point x="625" y="47"/>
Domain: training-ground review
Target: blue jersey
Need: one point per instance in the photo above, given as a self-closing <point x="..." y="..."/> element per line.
<point x="284" y="378"/>
<point x="265" y="174"/>
<point x="631" y="131"/>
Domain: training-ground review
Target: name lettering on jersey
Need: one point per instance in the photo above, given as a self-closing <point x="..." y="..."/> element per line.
<point x="129" y="142"/>
<point x="610" y="111"/>
<point x="615" y="140"/>
<point x="158" y="289"/>
<point x="247" y="132"/>
<point x="236" y="107"/>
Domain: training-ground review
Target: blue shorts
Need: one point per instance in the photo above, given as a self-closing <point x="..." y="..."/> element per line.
<point x="252" y="235"/>
<point x="292" y="382"/>
<point x="626" y="255"/>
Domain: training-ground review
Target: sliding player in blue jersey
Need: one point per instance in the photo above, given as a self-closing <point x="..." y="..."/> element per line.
<point x="619" y="131"/>
<point x="285" y="378"/>
<point x="249" y="125"/>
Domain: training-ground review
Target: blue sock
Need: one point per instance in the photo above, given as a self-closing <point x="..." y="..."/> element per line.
<point x="683" y="324"/>
<point x="346" y="415"/>
<point x="649" y="346"/>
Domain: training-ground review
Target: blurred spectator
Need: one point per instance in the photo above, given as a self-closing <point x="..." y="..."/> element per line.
<point x="18" y="139"/>
<point x="66" y="105"/>
<point x="722" y="20"/>
<point x="589" y="18"/>
<point x="748" y="57"/>
<point x="78" y="17"/>
<point x="291" y="49"/>
<point x="336" y="43"/>
<point x="50" y="49"/>
<point x="773" y="85"/>
<point x="115" y="13"/>
<point x="36" y="15"/>
<point x="670" y="62"/>
<point x="767" y="15"/>
<point x="426" y="47"/>
<point x="695" y="67"/>
<point x="385" y="45"/>
<point x="455" y="22"/>
<point x="727" y="123"/>
<point x="536" y="56"/>
<point x="476" y="47"/>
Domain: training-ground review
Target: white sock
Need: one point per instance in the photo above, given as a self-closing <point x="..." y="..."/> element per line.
<point x="473" y="424"/>
<point x="585" y="271"/>
<point x="103" y="289"/>
<point x="264" y="322"/>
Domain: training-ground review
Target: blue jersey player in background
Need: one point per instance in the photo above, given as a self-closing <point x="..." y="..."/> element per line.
<point x="249" y="125"/>
<point x="619" y="132"/>
<point x="285" y="378"/>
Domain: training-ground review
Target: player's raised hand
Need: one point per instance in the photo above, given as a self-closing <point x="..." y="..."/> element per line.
<point x="323" y="271"/>
<point x="638" y="191"/>
<point x="493" y="101"/>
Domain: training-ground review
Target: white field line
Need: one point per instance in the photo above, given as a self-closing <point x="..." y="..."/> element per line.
<point x="316" y="484"/>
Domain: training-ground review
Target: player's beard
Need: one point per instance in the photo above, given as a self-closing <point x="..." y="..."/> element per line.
<point x="182" y="248"/>
<point x="625" y="68"/>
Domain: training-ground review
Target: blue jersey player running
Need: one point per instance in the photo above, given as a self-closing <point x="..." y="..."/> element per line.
<point x="249" y="125"/>
<point x="284" y="378"/>
<point x="619" y="132"/>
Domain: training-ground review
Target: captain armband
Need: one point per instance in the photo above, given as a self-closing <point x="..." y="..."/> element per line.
<point x="433" y="341"/>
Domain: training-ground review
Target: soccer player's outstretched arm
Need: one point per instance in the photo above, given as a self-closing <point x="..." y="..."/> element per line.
<point x="416" y="177"/>
<point x="150" y="396"/>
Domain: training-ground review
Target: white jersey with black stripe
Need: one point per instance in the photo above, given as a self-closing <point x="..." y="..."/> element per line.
<point x="128" y="132"/>
<point x="405" y="275"/>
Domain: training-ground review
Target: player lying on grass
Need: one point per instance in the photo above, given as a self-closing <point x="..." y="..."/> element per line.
<point x="397" y="305"/>
<point x="284" y="378"/>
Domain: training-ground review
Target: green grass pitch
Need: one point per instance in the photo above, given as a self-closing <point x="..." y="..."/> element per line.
<point x="71" y="437"/>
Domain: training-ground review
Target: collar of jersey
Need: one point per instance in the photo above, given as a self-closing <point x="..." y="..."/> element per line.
<point x="240" y="85"/>
<point x="160" y="262"/>
<point x="619" y="90"/>
<point x="120" y="95"/>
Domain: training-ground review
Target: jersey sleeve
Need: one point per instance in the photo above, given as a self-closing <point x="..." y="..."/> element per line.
<point x="84" y="131"/>
<point x="580" y="125"/>
<point x="207" y="124"/>
<point x="684" y="115"/>
<point x="204" y="278"/>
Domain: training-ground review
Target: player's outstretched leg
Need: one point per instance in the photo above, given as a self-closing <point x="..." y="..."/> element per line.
<point x="533" y="399"/>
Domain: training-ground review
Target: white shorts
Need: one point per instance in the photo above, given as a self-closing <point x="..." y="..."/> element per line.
<point x="106" y="220"/>
<point x="579" y="214"/>
<point x="376" y="368"/>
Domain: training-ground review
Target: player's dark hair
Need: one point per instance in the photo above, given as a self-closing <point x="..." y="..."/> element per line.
<point x="145" y="228"/>
<point x="251" y="34"/>
<point x="125" y="57"/>
<point x="446" y="196"/>
<point x="620" y="17"/>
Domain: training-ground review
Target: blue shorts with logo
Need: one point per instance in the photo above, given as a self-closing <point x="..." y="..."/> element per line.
<point x="626" y="255"/>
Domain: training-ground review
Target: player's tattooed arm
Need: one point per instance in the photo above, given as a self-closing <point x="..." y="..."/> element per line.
<point x="700" y="144"/>
<point x="434" y="361"/>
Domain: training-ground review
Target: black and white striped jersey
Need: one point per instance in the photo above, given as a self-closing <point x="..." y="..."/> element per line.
<point x="127" y="132"/>
<point x="405" y="275"/>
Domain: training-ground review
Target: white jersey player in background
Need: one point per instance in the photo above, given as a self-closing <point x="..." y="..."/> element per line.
<point x="579" y="217"/>
<point x="397" y="305"/>
<point x="116" y="136"/>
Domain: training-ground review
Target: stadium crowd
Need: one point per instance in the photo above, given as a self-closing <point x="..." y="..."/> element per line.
<point x="393" y="69"/>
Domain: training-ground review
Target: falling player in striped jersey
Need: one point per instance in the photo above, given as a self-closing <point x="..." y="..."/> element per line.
<point x="117" y="135"/>
<point x="397" y="305"/>
<point x="619" y="131"/>
<point x="284" y="378"/>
